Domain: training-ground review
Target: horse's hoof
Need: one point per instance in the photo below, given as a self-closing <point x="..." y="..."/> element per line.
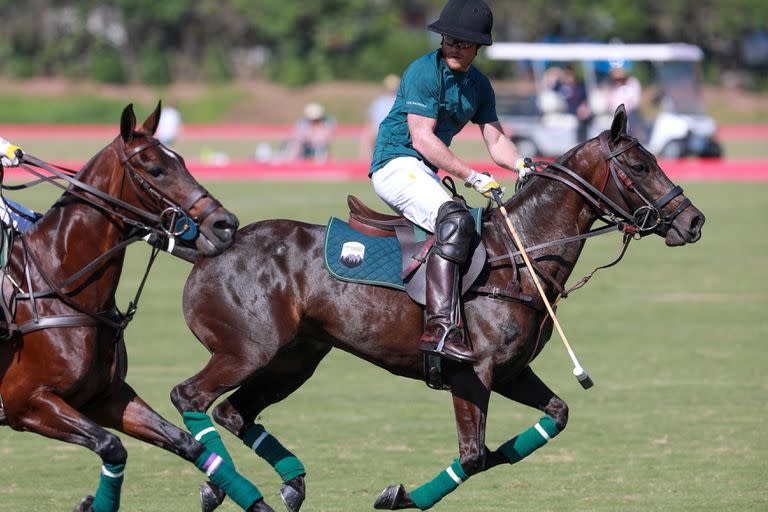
<point x="260" y="506"/>
<point x="86" y="505"/>
<point x="211" y="496"/>
<point x="393" y="497"/>
<point x="293" y="492"/>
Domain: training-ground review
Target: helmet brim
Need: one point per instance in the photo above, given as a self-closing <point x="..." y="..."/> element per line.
<point x="462" y="35"/>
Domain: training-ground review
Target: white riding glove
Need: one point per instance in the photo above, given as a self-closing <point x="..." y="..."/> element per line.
<point x="523" y="167"/>
<point x="483" y="183"/>
<point x="8" y="157"/>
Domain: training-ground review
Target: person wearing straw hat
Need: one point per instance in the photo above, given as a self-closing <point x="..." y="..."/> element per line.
<point x="312" y="135"/>
<point x="439" y="94"/>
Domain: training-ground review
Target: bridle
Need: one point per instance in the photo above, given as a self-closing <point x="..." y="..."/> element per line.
<point x="172" y="213"/>
<point x="173" y="220"/>
<point x="647" y="218"/>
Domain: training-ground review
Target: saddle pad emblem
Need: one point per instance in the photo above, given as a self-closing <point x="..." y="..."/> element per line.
<point x="352" y="254"/>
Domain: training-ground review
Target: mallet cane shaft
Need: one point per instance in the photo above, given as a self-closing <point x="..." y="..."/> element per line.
<point x="580" y="373"/>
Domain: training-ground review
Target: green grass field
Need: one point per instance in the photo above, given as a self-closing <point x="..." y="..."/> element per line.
<point x="673" y="338"/>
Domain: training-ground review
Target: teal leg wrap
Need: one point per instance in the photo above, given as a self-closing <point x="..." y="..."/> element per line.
<point x="201" y="427"/>
<point x="107" y="497"/>
<point x="443" y="484"/>
<point x="524" y="444"/>
<point x="222" y="473"/>
<point x="267" y="447"/>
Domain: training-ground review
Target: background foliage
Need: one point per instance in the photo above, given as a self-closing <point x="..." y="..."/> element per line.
<point x="296" y="42"/>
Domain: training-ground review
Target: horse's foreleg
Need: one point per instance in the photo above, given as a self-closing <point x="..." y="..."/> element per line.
<point x="124" y="410"/>
<point x="291" y="368"/>
<point x="529" y="390"/>
<point x="471" y="392"/>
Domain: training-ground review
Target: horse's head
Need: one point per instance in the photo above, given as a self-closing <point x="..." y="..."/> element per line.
<point x="635" y="182"/>
<point x="161" y="183"/>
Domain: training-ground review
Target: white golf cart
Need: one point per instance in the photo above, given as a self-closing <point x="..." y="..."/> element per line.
<point x="541" y="126"/>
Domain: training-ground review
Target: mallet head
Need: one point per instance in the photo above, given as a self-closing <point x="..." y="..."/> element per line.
<point x="583" y="377"/>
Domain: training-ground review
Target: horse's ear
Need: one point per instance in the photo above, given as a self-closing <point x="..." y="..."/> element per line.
<point x="150" y="124"/>
<point x="619" y="124"/>
<point x="127" y="123"/>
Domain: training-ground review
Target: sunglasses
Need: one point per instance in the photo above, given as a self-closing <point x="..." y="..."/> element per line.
<point x="456" y="43"/>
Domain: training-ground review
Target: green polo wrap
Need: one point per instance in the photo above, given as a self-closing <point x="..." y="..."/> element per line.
<point x="525" y="443"/>
<point x="265" y="445"/>
<point x="201" y="427"/>
<point x="107" y="498"/>
<point x="222" y="473"/>
<point x="443" y="484"/>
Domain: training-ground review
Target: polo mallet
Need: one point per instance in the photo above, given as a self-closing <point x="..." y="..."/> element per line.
<point x="580" y="373"/>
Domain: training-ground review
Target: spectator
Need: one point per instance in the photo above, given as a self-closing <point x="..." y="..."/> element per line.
<point x="312" y="135"/>
<point x="626" y="90"/>
<point x="169" y="127"/>
<point x="378" y="110"/>
<point x="574" y="92"/>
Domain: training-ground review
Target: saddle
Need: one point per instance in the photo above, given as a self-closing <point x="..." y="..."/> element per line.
<point x="414" y="244"/>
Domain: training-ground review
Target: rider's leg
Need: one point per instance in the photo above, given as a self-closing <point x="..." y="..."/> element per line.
<point x="411" y="188"/>
<point x="453" y="236"/>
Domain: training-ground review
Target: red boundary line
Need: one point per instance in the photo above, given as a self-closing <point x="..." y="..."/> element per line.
<point x="677" y="170"/>
<point x="263" y="131"/>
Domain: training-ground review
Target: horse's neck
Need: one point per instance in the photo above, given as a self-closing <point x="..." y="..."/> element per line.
<point x="74" y="232"/>
<point x="547" y="211"/>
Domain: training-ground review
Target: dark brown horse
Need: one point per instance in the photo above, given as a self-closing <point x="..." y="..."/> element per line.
<point x="63" y="361"/>
<point x="269" y="311"/>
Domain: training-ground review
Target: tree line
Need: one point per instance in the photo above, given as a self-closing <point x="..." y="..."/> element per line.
<point x="295" y="42"/>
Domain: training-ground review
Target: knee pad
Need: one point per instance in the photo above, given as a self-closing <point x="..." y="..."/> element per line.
<point x="454" y="229"/>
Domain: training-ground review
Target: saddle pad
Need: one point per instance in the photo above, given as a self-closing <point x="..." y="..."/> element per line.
<point x="358" y="258"/>
<point x="352" y="256"/>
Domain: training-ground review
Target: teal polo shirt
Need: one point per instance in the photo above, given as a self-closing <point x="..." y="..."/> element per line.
<point x="430" y="89"/>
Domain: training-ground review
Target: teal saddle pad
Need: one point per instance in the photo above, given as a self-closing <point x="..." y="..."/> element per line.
<point x="359" y="258"/>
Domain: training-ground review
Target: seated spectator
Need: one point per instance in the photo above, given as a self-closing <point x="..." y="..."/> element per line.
<point x="312" y="135"/>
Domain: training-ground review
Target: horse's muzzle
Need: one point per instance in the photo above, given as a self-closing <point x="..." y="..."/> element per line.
<point x="686" y="228"/>
<point x="217" y="232"/>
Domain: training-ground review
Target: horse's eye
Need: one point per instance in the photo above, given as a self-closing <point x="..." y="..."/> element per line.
<point x="156" y="172"/>
<point x="640" y="168"/>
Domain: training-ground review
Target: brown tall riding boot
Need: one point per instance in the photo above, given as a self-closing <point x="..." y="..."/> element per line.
<point x="442" y="333"/>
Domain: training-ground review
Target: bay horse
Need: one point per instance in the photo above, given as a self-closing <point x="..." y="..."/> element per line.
<point x="63" y="358"/>
<point x="269" y="311"/>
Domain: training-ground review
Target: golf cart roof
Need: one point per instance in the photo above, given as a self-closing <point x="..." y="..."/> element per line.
<point x="594" y="52"/>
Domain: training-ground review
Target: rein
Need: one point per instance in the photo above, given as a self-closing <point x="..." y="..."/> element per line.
<point x="645" y="220"/>
<point x="113" y="318"/>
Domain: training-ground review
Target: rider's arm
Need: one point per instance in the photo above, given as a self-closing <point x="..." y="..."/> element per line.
<point x="433" y="149"/>
<point x="500" y="147"/>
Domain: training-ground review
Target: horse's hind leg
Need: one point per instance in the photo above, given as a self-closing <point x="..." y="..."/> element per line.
<point x="471" y="391"/>
<point x="291" y="368"/>
<point x="528" y="389"/>
<point x="124" y="410"/>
